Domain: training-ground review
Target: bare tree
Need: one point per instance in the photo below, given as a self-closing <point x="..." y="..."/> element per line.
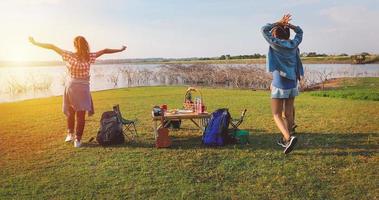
<point x="15" y="86"/>
<point x="324" y="76"/>
<point x="242" y="76"/>
<point x="114" y="78"/>
<point x="128" y="75"/>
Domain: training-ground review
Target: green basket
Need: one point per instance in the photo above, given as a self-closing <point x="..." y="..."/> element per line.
<point x="242" y="136"/>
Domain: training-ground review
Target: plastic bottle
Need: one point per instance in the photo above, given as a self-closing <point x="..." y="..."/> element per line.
<point x="195" y="105"/>
<point x="199" y="106"/>
<point x="197" y="102"/>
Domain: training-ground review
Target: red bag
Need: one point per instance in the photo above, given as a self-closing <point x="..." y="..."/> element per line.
<point x="163" y="139"/>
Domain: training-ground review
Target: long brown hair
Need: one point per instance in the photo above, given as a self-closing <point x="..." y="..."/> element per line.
<point x="82" y="48"/>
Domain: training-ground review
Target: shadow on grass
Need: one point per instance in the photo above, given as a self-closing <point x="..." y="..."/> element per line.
<point x="327" y="143"/>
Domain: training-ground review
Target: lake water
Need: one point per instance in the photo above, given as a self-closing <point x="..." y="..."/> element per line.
<point x="20" y="83"/>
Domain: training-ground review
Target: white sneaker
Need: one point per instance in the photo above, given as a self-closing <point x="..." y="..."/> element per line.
<point x="77" y="144"/>
<point x="69" y="137"/>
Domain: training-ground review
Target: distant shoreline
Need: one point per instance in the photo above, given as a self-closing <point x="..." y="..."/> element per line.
<point x="306" y="60"/>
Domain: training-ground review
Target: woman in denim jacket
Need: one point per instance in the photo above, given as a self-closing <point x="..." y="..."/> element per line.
<point x="283" y="61"/>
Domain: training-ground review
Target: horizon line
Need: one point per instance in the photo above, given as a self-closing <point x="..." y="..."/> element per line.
<point x="164" y="58"/>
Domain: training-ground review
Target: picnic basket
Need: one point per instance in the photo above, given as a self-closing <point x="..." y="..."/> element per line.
<point x="188" y="103"/>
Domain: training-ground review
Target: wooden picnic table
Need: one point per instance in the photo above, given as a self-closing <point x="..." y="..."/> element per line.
<point x="199" y="119"/>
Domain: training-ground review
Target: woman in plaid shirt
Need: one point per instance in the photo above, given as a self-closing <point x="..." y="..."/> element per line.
<point x="77" y="97"/>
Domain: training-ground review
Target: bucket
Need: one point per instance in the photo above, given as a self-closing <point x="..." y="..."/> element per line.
<point x="242" y="136"/>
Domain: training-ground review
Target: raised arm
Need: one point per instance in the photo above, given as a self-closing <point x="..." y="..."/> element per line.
<point x="46" y="46"/>
<point x="299" y="34"/>
<point x="266" y="31"/>
<point x="109" y="51"/>
<point x="285" y="21"/>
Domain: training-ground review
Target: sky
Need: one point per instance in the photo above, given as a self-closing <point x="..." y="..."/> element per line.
<point x="178" y="28"/>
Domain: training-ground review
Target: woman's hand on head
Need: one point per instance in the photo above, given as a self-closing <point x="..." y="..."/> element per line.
<point x="285" y="19"/>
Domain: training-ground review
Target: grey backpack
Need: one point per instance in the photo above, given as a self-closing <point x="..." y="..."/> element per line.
<point x="110" y="131"/>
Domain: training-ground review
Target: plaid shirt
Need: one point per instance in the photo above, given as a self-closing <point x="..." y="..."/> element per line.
<point x="76" y="67"/>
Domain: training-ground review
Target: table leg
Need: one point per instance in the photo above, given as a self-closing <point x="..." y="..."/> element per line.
<point x="194" y="122"/>
<point x="204" y="123"/>
<point x="155" y="129"/>
<point x="202" y="120"/>
<point x="156" y="126"/>
<point x="166" y="123"/>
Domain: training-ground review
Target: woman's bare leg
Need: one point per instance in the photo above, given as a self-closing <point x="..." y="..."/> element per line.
<point x="284" y="116"/>
<point x="277" y="109"/>
<point x="289" y="112"/>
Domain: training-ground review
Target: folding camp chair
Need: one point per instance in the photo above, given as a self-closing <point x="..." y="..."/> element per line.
<point x="236" y="122"/>
<point x="129" y="125"/>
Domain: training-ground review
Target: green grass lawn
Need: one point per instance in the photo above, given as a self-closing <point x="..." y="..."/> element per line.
<point x="336" y="156"/>
<point x="354" y="88"/>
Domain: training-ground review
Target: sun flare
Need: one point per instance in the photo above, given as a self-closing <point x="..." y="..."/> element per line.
<point x="19" y="53"/>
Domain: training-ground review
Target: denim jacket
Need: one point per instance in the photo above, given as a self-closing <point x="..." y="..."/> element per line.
<point x="284" y="55"/>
